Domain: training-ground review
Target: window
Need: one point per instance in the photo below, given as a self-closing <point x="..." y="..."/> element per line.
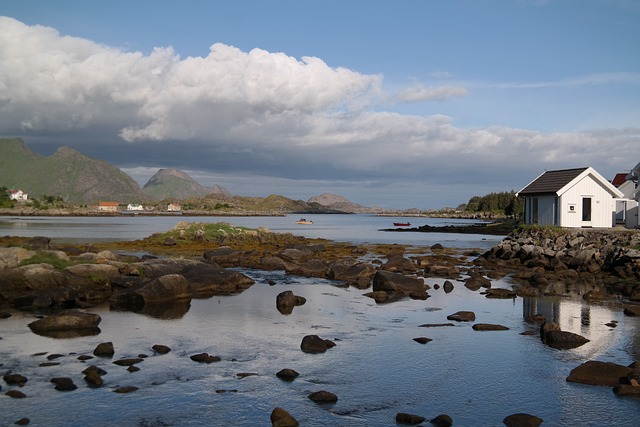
<point x="586" y="208"/>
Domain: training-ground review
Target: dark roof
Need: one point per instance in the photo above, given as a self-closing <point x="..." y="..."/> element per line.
<point x="619" y="179"/>
<point x="551" y="181"/>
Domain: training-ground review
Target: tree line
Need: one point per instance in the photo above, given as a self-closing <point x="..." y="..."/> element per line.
<point x="505" y="202"/>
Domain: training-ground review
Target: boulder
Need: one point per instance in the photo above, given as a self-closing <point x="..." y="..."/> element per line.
<point x="63" y="384"/>
<point x="15" y="379"/>
<point x="281" y="418"/>
<point x="97" y="272"/>
<point x="286" y="300"/>
<point x="476" y="282"/>
<point x="104" y="349"/>
<point x="287" y="374"/>
<point x="462" y="316"/>
<point x="397" y="283"/>
<point x="626" y="390"/>
<point x="12" y="257"/>
<point x="442" y="420"/>
<point x="313" y="344"/>
<point x="323" y="396"/>
<point x="422" y="340"/>
<point x="161" y="349"/>
<point x="205" y="358"/>
<point x="500" y="293"/>
<point x="65" y="321"/>
<point x="405" y="418"/>
<point x="632" y="310"/>
<point x="551" y="335"/>
<point x="447" y="287"/>
<point x="522" y="420"/>
<point x="164" y="289"/>
<point x="599" y="373"/>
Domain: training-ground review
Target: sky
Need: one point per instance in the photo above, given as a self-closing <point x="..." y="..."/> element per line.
<point x="397" y="104"/>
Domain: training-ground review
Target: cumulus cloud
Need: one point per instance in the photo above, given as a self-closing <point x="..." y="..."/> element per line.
<point x="264" y="113"/>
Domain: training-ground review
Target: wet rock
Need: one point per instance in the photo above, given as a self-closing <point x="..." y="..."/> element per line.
<point x="353" y="272"/>
<point x="93" y="376"/>
<point x="323" y="396"/>
<point x="562" y="340"/>
<point x="442" y="420"/>
<point x="281" y="418"/>
<point x="16" y="394"/>
<point x="314" y="344"/>
<point x="462" y="316"/>
<point x="104" y="349"/>
<point x="489" y="327"/>
<point x="128" y="362"/>
<point x="447" y="287"/>
<point x="599" y="373"/>
<point x="476" y="282"/>
<point x="437" y="247"/>
<point x="15" y="379"/>
<point x="205" y="358"/>
<point x="500" y="293"/>
<point x="165" y="289"/>
<point x="522" y="420"/>
<point x="23" y="422"/>
<point x="63" y="384"/>
<point x="84" y="357"/>
<point x="405" y="418"/>
<point x="632" y="310"/>
<point x="133" y="368"/>
<point x="246" y="374"/>
<point x="627" y="390"/>
<point x="286" y="301"/>
<point x="397" y="283"/>
<point x="125" y="389"/>
<point x="161" y="349"/>
<point x="435" y="325"/>
<point x="422" y="340"/>
<point x="287" y="374"/>
<point x="66" y="321"/>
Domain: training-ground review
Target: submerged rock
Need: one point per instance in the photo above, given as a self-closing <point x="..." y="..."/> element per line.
<point x="522" y="420"/>
<point x="405" y="418"/>
<point x="323" y="396"/>
<point x="462" y="316"/>
<point x="599" y="373"/>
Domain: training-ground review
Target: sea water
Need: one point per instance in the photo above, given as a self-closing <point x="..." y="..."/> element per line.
<point x="376" y="368"/>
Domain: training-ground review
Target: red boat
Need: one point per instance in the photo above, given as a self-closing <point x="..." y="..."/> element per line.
<point x="401" y="224"/>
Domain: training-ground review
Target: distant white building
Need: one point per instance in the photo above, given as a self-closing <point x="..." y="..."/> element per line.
<point x="108" y="207"/>
<point x="174" y="207"/>
<point x="18" y="195"/>
<point x="134" y="207"/>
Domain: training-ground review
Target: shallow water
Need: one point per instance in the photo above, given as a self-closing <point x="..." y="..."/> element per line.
<point x="341" y="228"/>
<point x="376" y="369"/>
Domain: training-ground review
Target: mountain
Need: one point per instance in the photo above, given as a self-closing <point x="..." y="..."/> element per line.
<point x="67" y="173"/>
<point x="339" y="203"/>
<point x="175" y="184"/>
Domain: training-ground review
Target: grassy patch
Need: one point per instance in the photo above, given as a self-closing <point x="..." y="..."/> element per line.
<point x="43" y="257"/>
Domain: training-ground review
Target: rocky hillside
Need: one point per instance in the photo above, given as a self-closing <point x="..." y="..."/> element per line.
<point x="176" y="184"/>
<point x="67" y="173"/>
<point x="338" y="203"/>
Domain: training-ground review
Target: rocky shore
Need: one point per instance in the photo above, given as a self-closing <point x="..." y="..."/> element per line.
<point x="60" y="283"/>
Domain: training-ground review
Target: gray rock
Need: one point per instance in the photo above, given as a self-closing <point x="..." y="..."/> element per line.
<point x="65" y="321"/>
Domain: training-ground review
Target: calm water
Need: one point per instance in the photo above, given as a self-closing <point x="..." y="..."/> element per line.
<point x="349" y="228"/>
<point x="376" y="369"/>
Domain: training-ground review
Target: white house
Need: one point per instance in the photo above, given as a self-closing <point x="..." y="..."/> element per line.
<point x="18" y="195"/>
<point x="174" y="207"/>
<point x="570" y="198"/>
<point x="134" y="207"/>
<point x="108" y="207"/>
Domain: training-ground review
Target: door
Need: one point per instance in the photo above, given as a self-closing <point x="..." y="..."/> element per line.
<point x="586" y="211"/>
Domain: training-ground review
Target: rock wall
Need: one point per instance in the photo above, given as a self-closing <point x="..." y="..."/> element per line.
<point x="609" y="256"/>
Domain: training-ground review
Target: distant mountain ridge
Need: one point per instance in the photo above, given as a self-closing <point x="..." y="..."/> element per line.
<point x="174" y="183"/>
<point x="80" y="179"/>
<point x="339" y="203"/>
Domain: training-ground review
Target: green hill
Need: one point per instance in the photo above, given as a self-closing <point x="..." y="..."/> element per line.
<point x="67" y="173"/>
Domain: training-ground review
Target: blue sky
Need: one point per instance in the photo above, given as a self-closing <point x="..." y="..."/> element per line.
<point x="393" y="103"/>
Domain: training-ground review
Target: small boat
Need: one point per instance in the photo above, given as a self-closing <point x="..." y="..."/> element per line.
<point x="401" y="224"/>
<point x="304" y="221"/>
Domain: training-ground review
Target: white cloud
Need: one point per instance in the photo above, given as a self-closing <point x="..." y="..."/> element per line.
<point x="421" y="93"/>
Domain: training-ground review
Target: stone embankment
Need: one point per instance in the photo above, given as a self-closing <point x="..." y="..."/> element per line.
<point x="543" y="259"/>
